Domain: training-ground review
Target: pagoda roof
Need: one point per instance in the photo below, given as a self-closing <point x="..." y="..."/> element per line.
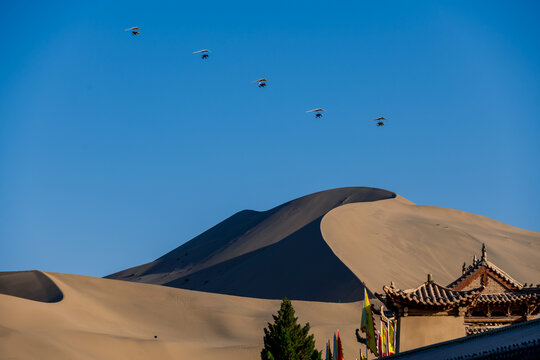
<point x="484" y="263"/>
<point x="430" y="294"/>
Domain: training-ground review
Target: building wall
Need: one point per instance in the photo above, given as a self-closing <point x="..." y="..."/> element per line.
<point x="493" y="286"/>
<point x="417" y="331"/>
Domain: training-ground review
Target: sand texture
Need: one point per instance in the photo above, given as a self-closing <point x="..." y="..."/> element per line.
<point x="111" y="319"/>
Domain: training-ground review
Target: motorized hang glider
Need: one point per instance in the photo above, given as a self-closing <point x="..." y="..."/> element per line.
<point x="318" y="112"/>
<point x="380" y="120"/>
<point x="134" y="30"/>
<point x="204" y="53"/>
<point x="262" y="82"/>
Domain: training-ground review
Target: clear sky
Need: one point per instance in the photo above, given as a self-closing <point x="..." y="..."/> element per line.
<point x="115" y="149"/>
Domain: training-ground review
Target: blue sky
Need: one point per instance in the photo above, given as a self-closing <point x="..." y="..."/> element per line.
<point x="115" y="149"/>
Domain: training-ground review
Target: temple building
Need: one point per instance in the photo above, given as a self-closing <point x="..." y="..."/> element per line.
<point x="484" y="297"/>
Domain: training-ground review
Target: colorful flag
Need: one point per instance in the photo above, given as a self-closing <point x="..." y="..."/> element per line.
<point x="391" y="337"/>
<point x="327" y="357"/>
<point x="335" y="351"/>
<point x="385" y="339"/>
<point x="368" y="326"/>
<point x="380" y="347"/>
<point x="340" y="348"/>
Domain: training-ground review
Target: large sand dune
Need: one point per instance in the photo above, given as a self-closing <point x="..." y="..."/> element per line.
<point x="325" y="246"/>
<point x="110" y="319"/>
<point x="265" y="254"/>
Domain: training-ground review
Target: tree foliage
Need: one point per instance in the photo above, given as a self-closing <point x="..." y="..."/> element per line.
<point x="285" y="339"/>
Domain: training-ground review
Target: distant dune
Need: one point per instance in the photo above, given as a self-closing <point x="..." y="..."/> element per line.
<point x="325" y="246"/>
<point x="32" y="285"/>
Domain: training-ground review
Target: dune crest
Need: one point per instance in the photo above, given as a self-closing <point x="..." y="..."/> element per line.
<point x="265" y="254"/>
<point x="31" y="285"/>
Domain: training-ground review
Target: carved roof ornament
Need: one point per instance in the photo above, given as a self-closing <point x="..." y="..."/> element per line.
<point x="477" y="265"/>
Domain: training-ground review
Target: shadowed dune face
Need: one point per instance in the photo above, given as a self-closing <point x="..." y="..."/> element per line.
<point x="300" y="267"/>
<point x="31" y="285"/>
<point x="264" y="254"/>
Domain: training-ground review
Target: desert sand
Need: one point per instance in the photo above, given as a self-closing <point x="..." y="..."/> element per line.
<point x="404" y="242"/>
<point x="319" y="250"/>
<point x="111" y="319"/>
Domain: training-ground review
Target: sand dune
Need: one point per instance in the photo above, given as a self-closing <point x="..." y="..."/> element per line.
<point x="321" y="248"/>
<point x="396" y="240"/>
<point x="324" y="246"/>
<point x="110" y="319"/>
<point x="265" y="254"/>
<point x="32" y="285"/>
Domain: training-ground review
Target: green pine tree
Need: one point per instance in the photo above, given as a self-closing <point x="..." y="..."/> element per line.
<point x="285" y="339"/>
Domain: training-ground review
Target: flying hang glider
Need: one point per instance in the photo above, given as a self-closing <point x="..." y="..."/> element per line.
<point x="380" y="120"/>
<point x="262" y="82"/>
<point x="318" y="112"/>
<point x="134" y="30"/>
<point x="204" y="53"/>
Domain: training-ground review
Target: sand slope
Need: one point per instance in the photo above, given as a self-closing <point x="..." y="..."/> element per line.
<point x="265" y="254"/>
<point x="111" y="319"/>
<point x="396" y="240"/>
<point x="324" y="246"/>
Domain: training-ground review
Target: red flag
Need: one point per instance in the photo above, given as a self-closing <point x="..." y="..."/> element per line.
<point x="340" y="348"/>
<point x="380" y="346"/>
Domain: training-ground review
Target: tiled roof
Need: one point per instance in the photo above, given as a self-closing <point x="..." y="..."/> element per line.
<point x="432" y="295"/>
<point x="506" y="298"/>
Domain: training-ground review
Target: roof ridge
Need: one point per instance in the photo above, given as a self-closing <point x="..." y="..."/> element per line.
<point x="477" y="264"/>
<point x="503" y="274"/>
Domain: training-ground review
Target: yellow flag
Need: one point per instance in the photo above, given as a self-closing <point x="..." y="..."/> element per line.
<point x="384" y="333"/>
<point x="368" y="325"/>
<point x="391" y="330"/>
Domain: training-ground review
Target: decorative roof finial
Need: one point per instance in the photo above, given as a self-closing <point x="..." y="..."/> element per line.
<point x="429" y="278"/>
<point x="484" y="252"/>
<point x="464" y="268"/>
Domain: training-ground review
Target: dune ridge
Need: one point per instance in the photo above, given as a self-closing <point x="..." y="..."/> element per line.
<point x="31" y="285"/>
<point x="265" y="254"/>
<point x="326" y="246"/>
